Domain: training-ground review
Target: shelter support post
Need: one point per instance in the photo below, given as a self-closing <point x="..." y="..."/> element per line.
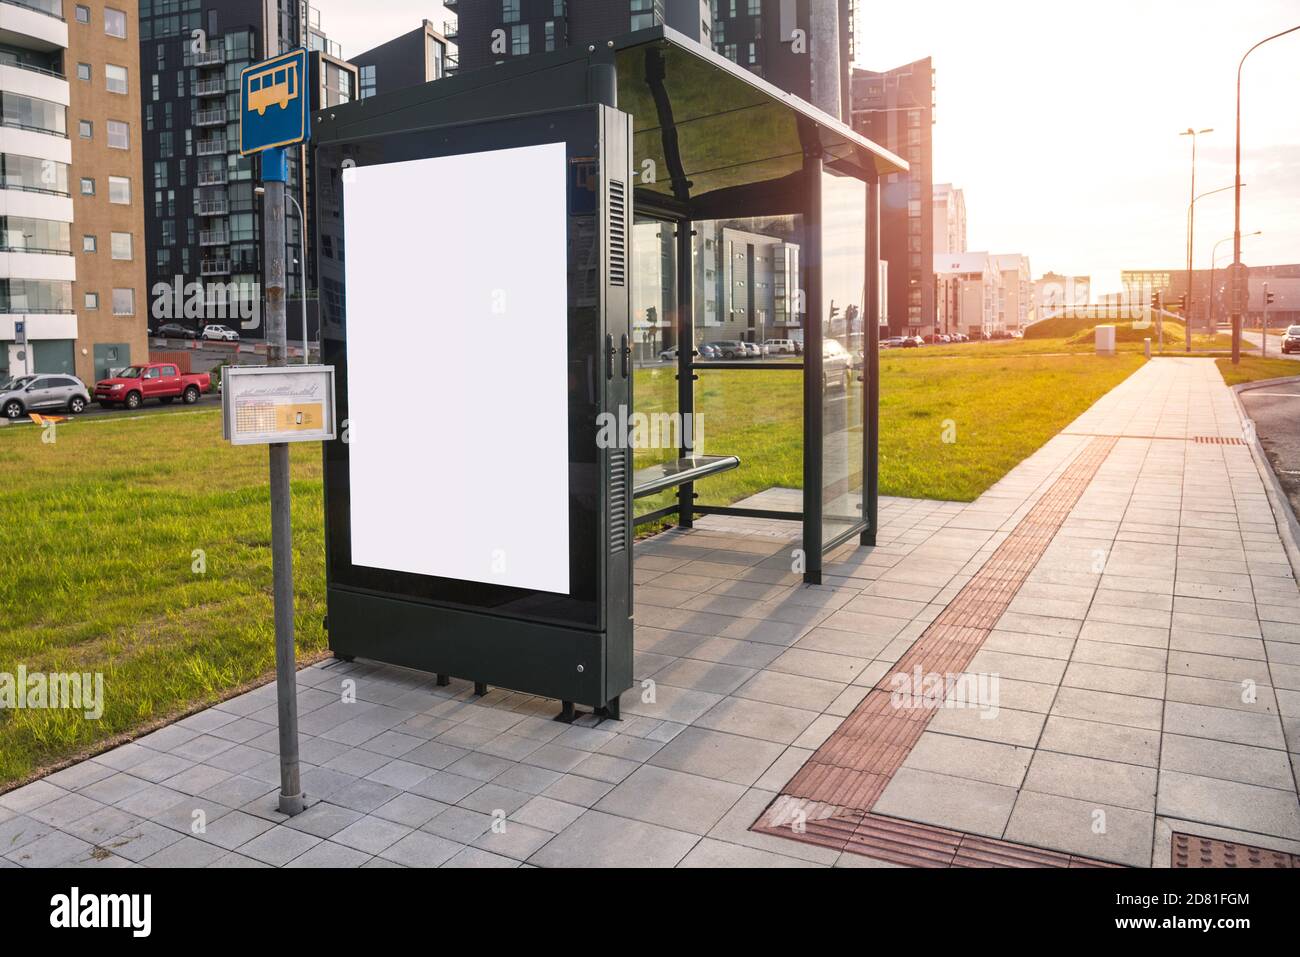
<point x="871" y="368"/>
<point x="686" y="367"/>
<point x="813" y="388"/>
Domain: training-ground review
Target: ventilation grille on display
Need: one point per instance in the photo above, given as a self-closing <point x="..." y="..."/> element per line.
<point x="617" y="500"/>
<point x="617" y="233"/>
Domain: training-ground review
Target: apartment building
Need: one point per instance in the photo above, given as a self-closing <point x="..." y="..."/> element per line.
<point x="968" y="294"/>
<point x="72" y="292"/>
<point x="493" y="31"/>
<point x="1054" y="292"/>
<point x="895" y="108"/>
<point x="760" y="35"/>
<point x="421" y="56"/>
<point x="1016" y="308"/>
<point x="205" y="222"/>
<point x="949" y="219"/>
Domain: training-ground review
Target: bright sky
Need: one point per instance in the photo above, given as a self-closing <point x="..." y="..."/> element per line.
<point x="1061" y="122"/>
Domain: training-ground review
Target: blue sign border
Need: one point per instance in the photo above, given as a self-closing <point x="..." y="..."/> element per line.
<point x="304" y="94"/>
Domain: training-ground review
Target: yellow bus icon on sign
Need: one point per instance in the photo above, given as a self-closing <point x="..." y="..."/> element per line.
<point x="277" y="86"/>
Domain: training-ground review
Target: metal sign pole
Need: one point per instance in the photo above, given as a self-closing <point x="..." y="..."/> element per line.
<point x="275" y="165"/>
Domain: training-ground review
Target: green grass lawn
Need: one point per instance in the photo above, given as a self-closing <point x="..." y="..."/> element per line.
<point x="100" y="528"/>
<point x="97" y="548"/>
<point x="1255" y="368"/>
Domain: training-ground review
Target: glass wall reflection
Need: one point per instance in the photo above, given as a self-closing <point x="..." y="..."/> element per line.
<point x="844" y="230"/>
<point x="748" y="299"/>
<point x="654" y="350"/>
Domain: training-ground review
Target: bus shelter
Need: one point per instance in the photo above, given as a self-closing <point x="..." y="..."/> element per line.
<point x="721" y="247"/>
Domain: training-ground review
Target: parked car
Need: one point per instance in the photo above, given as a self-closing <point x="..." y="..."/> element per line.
<point x="837" y="365"/>
<point x="753" y="350"/>
<point x="730" y="349"/>
<point x="779" y="347"/>
<point x="668" y="355"/>
<point x="219" y="333"/>
<point x="892" y="342"/>
<point x="157" y="380"/>
<point x="706" y="351"/>
<point x="1291" y="340"/>
<point x="43" y="393"/>
<point x="174" y="330"/>
<point x="911" y="342"/>
<point x="934" y="339"/>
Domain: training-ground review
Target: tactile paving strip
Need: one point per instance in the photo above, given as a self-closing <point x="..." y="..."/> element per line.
<point x="838" y="785"/>
<point x="1218" y="440"/>
<point x="1188" y="850"/>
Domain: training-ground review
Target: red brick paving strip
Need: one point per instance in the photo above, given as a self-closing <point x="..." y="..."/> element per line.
<point x="846" y="775"/>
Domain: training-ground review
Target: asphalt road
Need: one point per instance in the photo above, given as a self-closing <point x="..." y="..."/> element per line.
<point x="1274" y="344"/>
<point x="94" y="413"/>
<point x="1275" y="410"/>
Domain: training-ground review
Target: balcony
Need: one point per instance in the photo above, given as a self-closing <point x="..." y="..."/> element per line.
<point x="214" y="207"/>
<point x="39" y="23"/>
<point x="210" y="118"/>
<point x="215" y="87"/>
<point x="213" y="56"/>
<point x="214" y="237"/>
<point x="215" y="267"/>
<point x="212" y="147"/>
<point x="450" y="29"/>
<point x="214" y="177"/>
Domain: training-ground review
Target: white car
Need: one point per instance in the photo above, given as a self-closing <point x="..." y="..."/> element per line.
<point x="776" y="347"/>
<point x="218" y="333"/>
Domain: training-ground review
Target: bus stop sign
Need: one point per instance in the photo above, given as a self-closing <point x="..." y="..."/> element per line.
<point x="274" y="107"/>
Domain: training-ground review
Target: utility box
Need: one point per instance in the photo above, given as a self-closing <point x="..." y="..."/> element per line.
<point x="1105" y="340"/>
<point x="479" y="328"/>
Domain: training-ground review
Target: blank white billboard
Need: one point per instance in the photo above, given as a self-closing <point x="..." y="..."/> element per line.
<point x="457" y="331"/>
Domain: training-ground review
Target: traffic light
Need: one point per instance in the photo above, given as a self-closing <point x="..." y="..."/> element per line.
<point x="1182" y="303"/>
<point x="1269" y="298"/>
<point x="1155" y="300"/>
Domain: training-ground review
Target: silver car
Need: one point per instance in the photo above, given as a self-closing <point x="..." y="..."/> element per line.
<point x="43" y="393"/>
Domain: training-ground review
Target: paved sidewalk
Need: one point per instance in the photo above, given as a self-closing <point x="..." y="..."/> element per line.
<point x="1147" y="665"/>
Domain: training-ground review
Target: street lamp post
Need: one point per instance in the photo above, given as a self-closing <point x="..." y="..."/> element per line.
<point x="1236" y="232"/>
<point x="1191" y="238"/>
<point x="1190" y="207"/>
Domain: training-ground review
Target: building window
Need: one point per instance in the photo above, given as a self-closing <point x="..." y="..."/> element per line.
<point x="114" y="23"/>
<point x="119" y="135"/>
<point x="369" y="81"/>
<point x="519" y="40"/>
<point x="91" y="301"/>
<point x="548" y="34"/>
<point x="85" y="129"/>
<point x="119" y="190"/>
<point x="83" y="14"/>
<point x="643" y="14"/>
<point x="122" y="246"/>
<point x="124" y="302"/>
<point x="116" y="78"/>
<point x="83" y="71"/>
<point x="509" y="11"/>
<point x="87" y="186"/>
<point x="89" y="244"/>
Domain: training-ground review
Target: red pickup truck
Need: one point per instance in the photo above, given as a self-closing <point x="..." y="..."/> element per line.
<point x="157" y="380"/>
